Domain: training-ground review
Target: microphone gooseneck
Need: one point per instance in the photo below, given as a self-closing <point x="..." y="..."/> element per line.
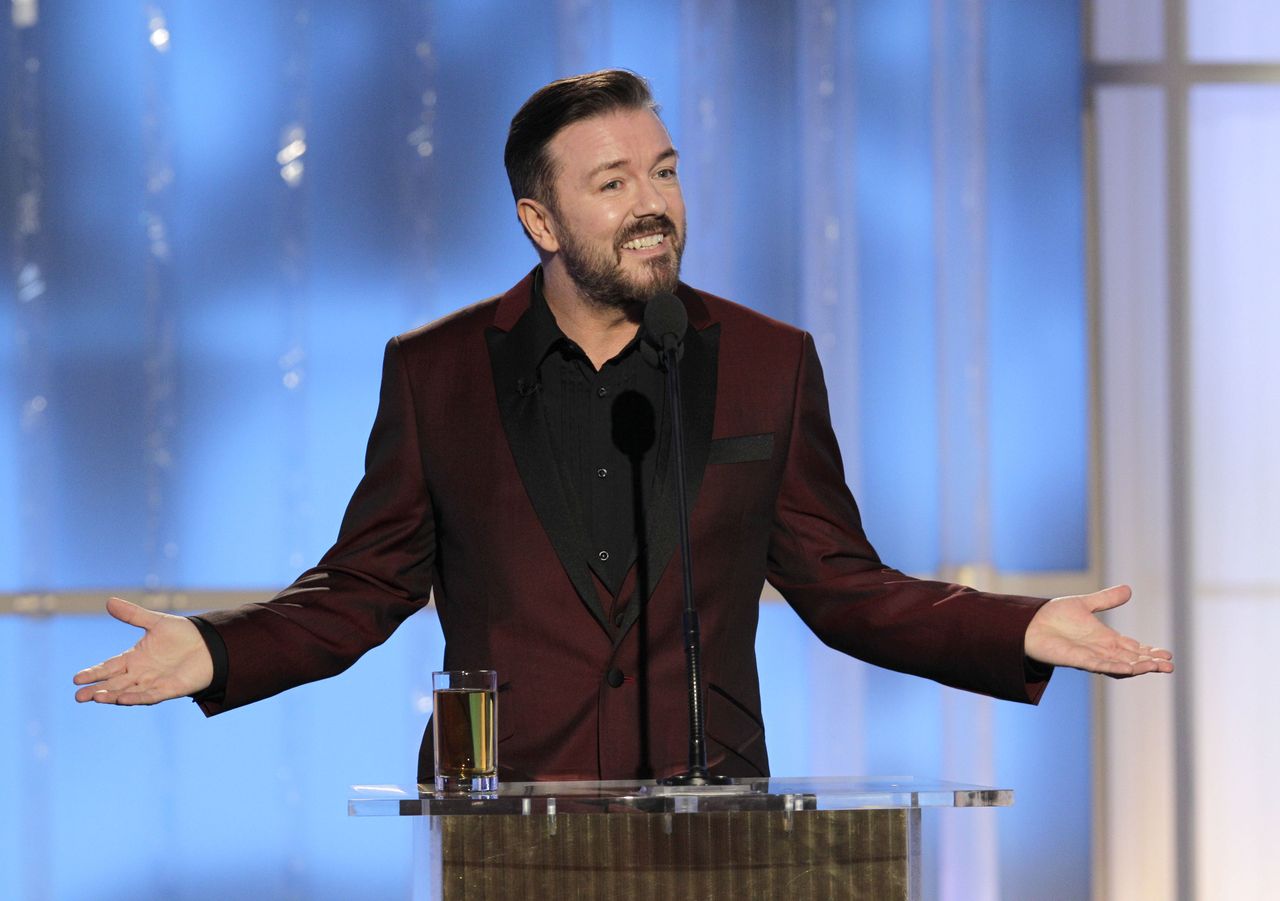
<point x="665" y="323"/>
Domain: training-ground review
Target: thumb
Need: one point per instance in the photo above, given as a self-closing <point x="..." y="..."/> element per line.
<point x="128" y="612"/>
<point x="1108" y="598"/>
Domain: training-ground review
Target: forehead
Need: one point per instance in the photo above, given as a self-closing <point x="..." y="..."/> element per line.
<point x="634" y="137"/>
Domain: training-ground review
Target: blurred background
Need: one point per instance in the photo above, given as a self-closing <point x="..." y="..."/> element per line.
<point x="1036" y="246"/>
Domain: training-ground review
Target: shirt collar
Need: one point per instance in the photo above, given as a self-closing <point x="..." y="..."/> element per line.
<point x="547" y="334"/>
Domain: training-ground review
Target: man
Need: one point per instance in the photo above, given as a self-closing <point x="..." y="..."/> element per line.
<point x="519" y="468"/>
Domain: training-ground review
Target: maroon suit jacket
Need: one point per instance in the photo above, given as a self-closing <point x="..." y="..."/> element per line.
<point x="461" y="497"/>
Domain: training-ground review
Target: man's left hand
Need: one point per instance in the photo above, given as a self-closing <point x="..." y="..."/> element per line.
<point x="1066" y="632"/>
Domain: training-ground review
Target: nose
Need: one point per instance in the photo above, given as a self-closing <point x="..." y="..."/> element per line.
<point x="649" y="200"/>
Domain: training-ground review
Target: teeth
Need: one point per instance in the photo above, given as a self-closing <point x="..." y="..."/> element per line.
<point x="645" y="242"/>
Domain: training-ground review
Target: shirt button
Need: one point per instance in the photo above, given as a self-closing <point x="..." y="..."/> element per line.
<point x="614" y="677"/>
<point x="601" y="472"/>
<point x="603" y="556"/>
<point x="602" y="391"/>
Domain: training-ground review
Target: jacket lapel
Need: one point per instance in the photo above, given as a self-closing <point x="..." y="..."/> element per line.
<point x="511" y="351"/>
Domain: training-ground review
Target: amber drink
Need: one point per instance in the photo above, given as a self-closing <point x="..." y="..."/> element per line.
<point x="465" y="730"/>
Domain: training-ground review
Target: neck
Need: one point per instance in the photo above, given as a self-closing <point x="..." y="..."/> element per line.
<point x="601" y="331"/>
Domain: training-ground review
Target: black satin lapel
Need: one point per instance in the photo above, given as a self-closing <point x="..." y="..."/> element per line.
<point x="698" y="383"/>
<point x="698" y="372"/>
<point x="522" y="420"/>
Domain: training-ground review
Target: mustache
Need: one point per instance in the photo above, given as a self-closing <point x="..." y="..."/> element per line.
<point x="662" y="224"/>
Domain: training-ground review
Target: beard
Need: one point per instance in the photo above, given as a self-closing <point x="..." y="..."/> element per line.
<point x="600" y="276"/>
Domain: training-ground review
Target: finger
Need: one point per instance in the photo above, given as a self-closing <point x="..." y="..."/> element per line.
<point x="95" y="693"/>
<point x="112" y="666"/>
<point x="1143" y="668"/>
<point x="123" y="682"/>
<point x="1146" y="650"/>
<point x="119" y="682"/>
<point x="128" y="690"/>
<point x="1121" y="669"/>
<point x="128" y="612"/>
<point x="1131" y="657"/>
<point x="1108" y="598"/>
<point x="129" y="696"/>
<point x="136" y="698"/>
<point x="1116" y="669"/>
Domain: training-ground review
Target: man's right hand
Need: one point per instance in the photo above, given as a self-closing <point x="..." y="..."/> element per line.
<point x="170" y="661"/>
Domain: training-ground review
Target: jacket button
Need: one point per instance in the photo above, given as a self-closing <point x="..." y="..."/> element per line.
<point x="619" y="619"/>
<point x="614" y="677"/>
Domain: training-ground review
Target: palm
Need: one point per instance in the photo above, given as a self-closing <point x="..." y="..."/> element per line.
<point x="1066" y="632"/>
<point x="169" y="661"/>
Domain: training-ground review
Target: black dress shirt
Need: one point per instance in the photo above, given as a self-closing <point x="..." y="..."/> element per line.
<point x="608" y="431"/>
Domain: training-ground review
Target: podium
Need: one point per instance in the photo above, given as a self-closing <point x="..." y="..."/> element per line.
<point x="794" y="838"/>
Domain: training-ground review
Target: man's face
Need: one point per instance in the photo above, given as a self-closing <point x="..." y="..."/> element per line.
<point x="617" y="208"/>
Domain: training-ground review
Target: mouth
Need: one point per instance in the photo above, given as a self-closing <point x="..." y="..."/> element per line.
<point x="645" y="242"/>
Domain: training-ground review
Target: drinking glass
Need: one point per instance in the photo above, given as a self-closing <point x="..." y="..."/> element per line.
<point x="465" y="730"/>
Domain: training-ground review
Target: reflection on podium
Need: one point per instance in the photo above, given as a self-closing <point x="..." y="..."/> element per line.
<point x="829" y="838"/>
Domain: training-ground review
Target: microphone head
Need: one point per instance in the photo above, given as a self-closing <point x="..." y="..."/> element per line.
<point x="665" y="320"/>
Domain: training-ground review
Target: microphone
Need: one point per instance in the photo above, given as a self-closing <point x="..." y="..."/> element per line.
<point x="665" y="322"/>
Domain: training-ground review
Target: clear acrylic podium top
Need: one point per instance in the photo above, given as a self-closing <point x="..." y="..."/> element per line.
<point x="771" y="793"/>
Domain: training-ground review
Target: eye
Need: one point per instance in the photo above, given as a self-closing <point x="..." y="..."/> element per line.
<point x="612" y="184"/>
<point x="666" y="173"/>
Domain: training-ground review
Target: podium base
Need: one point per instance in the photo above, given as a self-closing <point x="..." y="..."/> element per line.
<point x="762" y="854"/>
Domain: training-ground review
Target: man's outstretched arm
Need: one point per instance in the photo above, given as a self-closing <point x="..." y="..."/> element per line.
<point x="171" y="660"/>
<point x="1067" y="632"/>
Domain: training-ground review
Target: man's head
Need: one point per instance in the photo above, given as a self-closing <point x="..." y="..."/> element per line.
<point x="530" y="168"/>
<point x="594" y="177"/>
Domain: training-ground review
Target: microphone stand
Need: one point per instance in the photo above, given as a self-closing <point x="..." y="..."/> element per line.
<point x="697" y="773"/>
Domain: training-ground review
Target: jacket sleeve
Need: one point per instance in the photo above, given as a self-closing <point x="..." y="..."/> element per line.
<point x="822" y="563"/>
<point x="376" y="574"/>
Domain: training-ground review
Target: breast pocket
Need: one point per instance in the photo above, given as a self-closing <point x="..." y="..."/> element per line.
<point x="741" y="449"/>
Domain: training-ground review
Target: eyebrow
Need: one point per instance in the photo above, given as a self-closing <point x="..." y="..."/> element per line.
<point x="669" y="153"/>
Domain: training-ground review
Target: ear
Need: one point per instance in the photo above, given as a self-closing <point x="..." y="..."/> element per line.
<point x="538" y="223"/>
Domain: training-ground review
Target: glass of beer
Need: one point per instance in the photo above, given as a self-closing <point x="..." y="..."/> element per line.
<point x="465" y="730"/>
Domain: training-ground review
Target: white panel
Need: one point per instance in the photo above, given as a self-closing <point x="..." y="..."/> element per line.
<point x="1128" y="30"/>
<point x="1235" y="322"/>
<point x="1233" y="30"/>
<point x="1237" y="746"/>
<point x="1137" y="760"/>
<point x="1235" y="490"/>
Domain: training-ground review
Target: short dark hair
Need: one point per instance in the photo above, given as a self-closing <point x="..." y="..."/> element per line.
<point x="529" y="165"/>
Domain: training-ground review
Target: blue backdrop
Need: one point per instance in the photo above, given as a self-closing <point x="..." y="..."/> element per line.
<point x="219" y="214"/>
